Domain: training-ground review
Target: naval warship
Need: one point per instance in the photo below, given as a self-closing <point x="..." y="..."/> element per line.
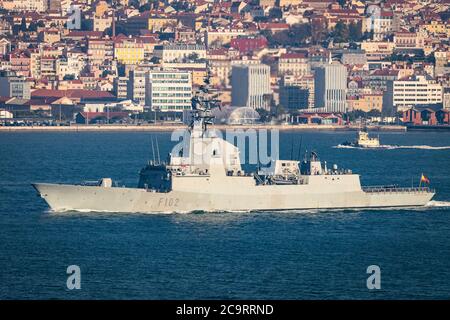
<point x="207" y="175"/>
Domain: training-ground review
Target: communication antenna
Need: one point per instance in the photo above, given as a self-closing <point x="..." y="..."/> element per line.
<point x="292" y="148"/>
<point x="300" y="148"/>
<point x="157" y="150"/>
<point x="203" y="103"/>
<point x="153" y="149"/>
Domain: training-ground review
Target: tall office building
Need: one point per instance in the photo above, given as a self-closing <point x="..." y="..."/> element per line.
<point x="168" y="90"/>
<point x="330" y="88"/>
<point x="251" y="86"/>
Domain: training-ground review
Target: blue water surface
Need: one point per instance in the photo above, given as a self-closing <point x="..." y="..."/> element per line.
<point x="267" y="255"/>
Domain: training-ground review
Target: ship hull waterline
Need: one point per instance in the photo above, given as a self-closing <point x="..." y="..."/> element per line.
<point x="62" y="197"/>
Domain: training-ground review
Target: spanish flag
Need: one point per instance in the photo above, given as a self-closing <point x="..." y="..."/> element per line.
<point x="424" y="179"/>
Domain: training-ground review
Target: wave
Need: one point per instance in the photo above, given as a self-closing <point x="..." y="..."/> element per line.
<point x="435" y="203"/>
<point x="393" y="147"/>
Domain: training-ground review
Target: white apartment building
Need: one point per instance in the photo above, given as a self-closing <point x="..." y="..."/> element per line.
<point x="251" y="86"/>
<point x="168" y="90"/>
<point x="402" y="94"/>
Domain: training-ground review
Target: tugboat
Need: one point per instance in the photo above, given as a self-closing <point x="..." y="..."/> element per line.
<point x="206" y="175"/>
<point x="364" y="141"/>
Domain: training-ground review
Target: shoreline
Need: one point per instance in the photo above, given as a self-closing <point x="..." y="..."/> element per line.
<point x="170" y="127"/>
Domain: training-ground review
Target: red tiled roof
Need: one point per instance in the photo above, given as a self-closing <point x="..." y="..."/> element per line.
<point x="71" y="93"/>
<point x="273" y="25"/>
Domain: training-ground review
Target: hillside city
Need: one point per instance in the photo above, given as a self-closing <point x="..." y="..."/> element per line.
<point x="277" y="61"/>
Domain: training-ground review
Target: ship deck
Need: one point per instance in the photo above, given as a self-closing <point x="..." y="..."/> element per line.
<point x="394" y="189"/>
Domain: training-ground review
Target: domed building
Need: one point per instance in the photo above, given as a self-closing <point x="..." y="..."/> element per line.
<point x="243" y="115"/>
<point x="239" y="115"/>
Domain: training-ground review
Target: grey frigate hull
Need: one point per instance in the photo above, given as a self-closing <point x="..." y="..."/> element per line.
<point x="259" y="198"/>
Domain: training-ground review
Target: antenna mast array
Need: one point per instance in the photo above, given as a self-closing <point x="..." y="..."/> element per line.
<point x="202" y="104"/>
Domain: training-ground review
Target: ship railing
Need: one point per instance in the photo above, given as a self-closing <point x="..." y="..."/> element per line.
<point x="394" y="189"/>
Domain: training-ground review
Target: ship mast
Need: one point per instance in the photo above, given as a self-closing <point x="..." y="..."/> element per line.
<point x="202" y="105"/>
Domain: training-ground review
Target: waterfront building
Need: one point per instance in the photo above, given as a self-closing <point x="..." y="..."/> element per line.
<point x="413" y="91"/>
<point x="12" y="85"/>
<point x="366" y="102"/>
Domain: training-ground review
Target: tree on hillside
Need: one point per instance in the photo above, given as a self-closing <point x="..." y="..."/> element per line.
<point x="355" y="31"/>
<point x="340" y="32"/>
<point x="297" y="35"/>
<point x="301" y="33"/>
<point x="275" y="13"/>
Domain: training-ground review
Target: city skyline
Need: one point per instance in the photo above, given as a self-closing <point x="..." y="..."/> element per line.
<point x="80" y="50"/>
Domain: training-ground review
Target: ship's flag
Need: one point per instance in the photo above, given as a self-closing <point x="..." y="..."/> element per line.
<point x="424" y="179"/>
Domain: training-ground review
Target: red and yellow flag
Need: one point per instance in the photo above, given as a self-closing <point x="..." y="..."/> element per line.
<point x="424" y="179"/>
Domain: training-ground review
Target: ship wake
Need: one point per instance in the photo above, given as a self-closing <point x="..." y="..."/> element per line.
<point x="393" y="147"/>
<point x="434" y="203"/>
<point x="311" y="211"/>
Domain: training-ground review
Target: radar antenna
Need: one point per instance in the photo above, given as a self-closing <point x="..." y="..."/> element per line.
<point x="202" y="104"/>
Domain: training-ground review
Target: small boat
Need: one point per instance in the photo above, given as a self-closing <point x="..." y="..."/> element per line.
<point x="364" y="141"/>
